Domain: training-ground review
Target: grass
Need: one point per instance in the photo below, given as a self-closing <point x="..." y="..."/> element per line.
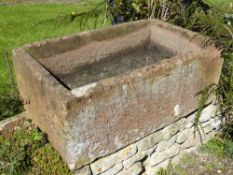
<point x="218" y="3"/>
<point x="215" y="157"/>
<point x="27" y="152"/>
<point x="25" y="23"/>
<point x="19" y="25"/>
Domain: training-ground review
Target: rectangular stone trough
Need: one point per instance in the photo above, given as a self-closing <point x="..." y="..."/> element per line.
<point x="97" y="92"/>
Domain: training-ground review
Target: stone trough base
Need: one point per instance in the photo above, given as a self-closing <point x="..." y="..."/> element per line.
<point x="156" y="151"/>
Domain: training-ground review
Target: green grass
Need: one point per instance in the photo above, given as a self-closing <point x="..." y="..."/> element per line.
<point x="219" y="147"/>
<point x="19" y="25"/>
<point x="218" y="3"/>
<point x="27" y="152"/>
<point x="216" y="155"/>
<point x="24" y="23"/>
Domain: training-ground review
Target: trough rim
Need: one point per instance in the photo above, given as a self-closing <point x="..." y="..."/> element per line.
<point x="160" y="68"/>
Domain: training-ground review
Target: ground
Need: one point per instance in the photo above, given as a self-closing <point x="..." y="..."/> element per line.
<point x="214" y="157"/>
<point x="21" y="24"/>
<point x="203" y="164"/>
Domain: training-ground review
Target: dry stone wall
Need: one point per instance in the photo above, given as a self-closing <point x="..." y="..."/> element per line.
<point x="156" y="151"/>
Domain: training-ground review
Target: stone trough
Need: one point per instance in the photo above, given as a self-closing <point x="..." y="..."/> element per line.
<point x="98" y="92"/>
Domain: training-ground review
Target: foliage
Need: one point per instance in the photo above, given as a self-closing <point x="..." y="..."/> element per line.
<point x="205" y="94"/>
<point x="220" y="147"/>
<point x="20" y="24"/>
<point x="216" y="154"/>
<point x="28" y="152"/>
<point x="10" y="105"/>
<point x="47" y="161"/>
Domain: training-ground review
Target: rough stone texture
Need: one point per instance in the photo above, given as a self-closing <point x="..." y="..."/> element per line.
<point x="7" y="126"/>
<point x="156" y="151"/>
<point x="136" y="158"/>
<point x="84" y="171"/>
<point x="183" y="135"/>
<point x="170" y="130"/>
<point x="207" y="114"/>
<point x="117" y="168"/>
<point x="104" y="164"/>
<point x="136" y="169"/>
<point x="159" y="157"/>
<point x="117" y="111"/>
<point x="154" y="169"/>
<point x="150" y="141"/>
<point x="190" y="142"/>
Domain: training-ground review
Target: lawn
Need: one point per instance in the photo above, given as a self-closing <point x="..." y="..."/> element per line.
<point x="20" y="24"/>
<point x="218" y="3"/>
<point x="214" y="157"/>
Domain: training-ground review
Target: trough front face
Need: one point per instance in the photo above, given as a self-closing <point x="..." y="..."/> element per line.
<point x="96" y="92"/>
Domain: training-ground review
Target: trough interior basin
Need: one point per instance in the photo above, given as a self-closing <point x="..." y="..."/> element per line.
<point x="91" y="57"/>
<point x="126" y="60"/>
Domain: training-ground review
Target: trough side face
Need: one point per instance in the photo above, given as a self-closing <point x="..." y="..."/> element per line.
<point x="109" y="118"/>
<point x="44" y="99"/>
<point x="108" y="115"/>
<point x="119" y="111"/>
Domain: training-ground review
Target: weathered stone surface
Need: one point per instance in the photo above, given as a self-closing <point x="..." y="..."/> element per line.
<point x="84" y="171"/>
<point x="155" y="169"/>
<point x="175" y="160"/>
<point x="209" y="136"/>
<point x="162" y="146"/>
<point x="216" y="124"/>
<point x="118" y="110"/>
<point x="207" y="113"/>
<point x="170" y="131"/>
<point x="136" y="169"/>
<point x="191" y="142"/>
<point x="138" y="157"/>
<point x="108" y="162"/>
<point x="7" y="126"/>
<point x="207" y="129"/>
<point x="183" y="135"/>
<point x="190" y="121"/>
<point x="114" y="170"/>
<point x="159" y="157"/>
<point x="166" y="144"/>
<point x="182" y="123"/>
<point x="150" y="141"/>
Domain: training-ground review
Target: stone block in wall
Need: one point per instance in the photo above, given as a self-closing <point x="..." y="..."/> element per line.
<point x="108" y="162"/>
<point x="170" y="130"/>
<point x="150" y="141"/>
<point x="83" y="171"/>
<point x="159" y="157"/>
<point x="191" y="141"/>
<point x="184" y="134"/>
<point x="153" y="170"/>
<point x="136" y="169"/>
<point x="136" y="158"/>
<point x="207" y="113"/>
<point x="114" y="170"/>
<point x="8" y="126"/>
<point x="166" y="144"/>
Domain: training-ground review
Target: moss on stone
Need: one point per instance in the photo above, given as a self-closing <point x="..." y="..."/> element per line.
<point x="28" y="152"/>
